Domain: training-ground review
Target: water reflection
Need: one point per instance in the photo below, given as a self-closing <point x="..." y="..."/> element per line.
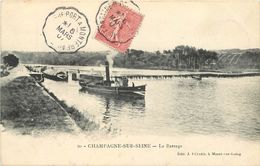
<point x="113" y="104"/>
<point x="106" y="117"/>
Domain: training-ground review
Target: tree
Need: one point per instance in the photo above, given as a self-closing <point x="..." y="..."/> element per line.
<point x="10" y="60"/>
<point x="158" y="52"/>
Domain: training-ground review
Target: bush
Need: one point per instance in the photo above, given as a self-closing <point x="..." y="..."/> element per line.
<point x="11" y="60"/>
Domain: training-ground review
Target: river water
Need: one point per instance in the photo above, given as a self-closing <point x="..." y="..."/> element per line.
<point x="173" y="107"/>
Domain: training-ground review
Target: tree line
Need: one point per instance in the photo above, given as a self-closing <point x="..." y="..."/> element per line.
<point x="180" y="58"/>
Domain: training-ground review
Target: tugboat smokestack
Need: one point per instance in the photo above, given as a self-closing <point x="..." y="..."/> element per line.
<point x="107" y="72"/>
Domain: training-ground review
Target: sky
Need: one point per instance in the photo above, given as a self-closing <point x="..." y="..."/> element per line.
<point x="203" y="24"/>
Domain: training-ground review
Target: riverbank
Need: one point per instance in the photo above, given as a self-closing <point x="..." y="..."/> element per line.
<point x="85" y="124"/>
<point x="25" y="109"/>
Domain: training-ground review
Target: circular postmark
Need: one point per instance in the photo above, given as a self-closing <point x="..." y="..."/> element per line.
<point x="117" y="14"/>
<point x="66" y="30"/>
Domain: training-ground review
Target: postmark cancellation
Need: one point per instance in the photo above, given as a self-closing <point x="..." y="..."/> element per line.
<point x="66" y="30"/>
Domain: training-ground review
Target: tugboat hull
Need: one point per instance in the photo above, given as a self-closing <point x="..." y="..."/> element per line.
<point x="140" y="90"/>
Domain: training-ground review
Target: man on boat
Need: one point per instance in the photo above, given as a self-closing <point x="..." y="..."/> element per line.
<point x="133" y="84"/>
<point x="125" y="81"/>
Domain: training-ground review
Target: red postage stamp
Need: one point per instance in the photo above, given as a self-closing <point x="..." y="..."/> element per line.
<point x="119" y="26"/>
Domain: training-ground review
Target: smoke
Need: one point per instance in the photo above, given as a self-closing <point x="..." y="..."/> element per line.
<point x="110" y="57"/>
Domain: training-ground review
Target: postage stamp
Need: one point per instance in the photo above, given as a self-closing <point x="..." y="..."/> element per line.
<point x="118" y="26"/>
<point x="66" y="30"/>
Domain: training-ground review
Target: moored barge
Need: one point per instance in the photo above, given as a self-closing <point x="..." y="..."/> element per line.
<point x="55" y="75"/>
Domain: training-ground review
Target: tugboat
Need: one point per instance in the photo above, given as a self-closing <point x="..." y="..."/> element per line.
<point x="114" y="85"/>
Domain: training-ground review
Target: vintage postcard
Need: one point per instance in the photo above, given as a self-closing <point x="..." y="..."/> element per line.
<point x="129" y="82"/>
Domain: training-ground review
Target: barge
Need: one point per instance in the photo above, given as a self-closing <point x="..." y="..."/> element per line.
<point x="55" y="75"/>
